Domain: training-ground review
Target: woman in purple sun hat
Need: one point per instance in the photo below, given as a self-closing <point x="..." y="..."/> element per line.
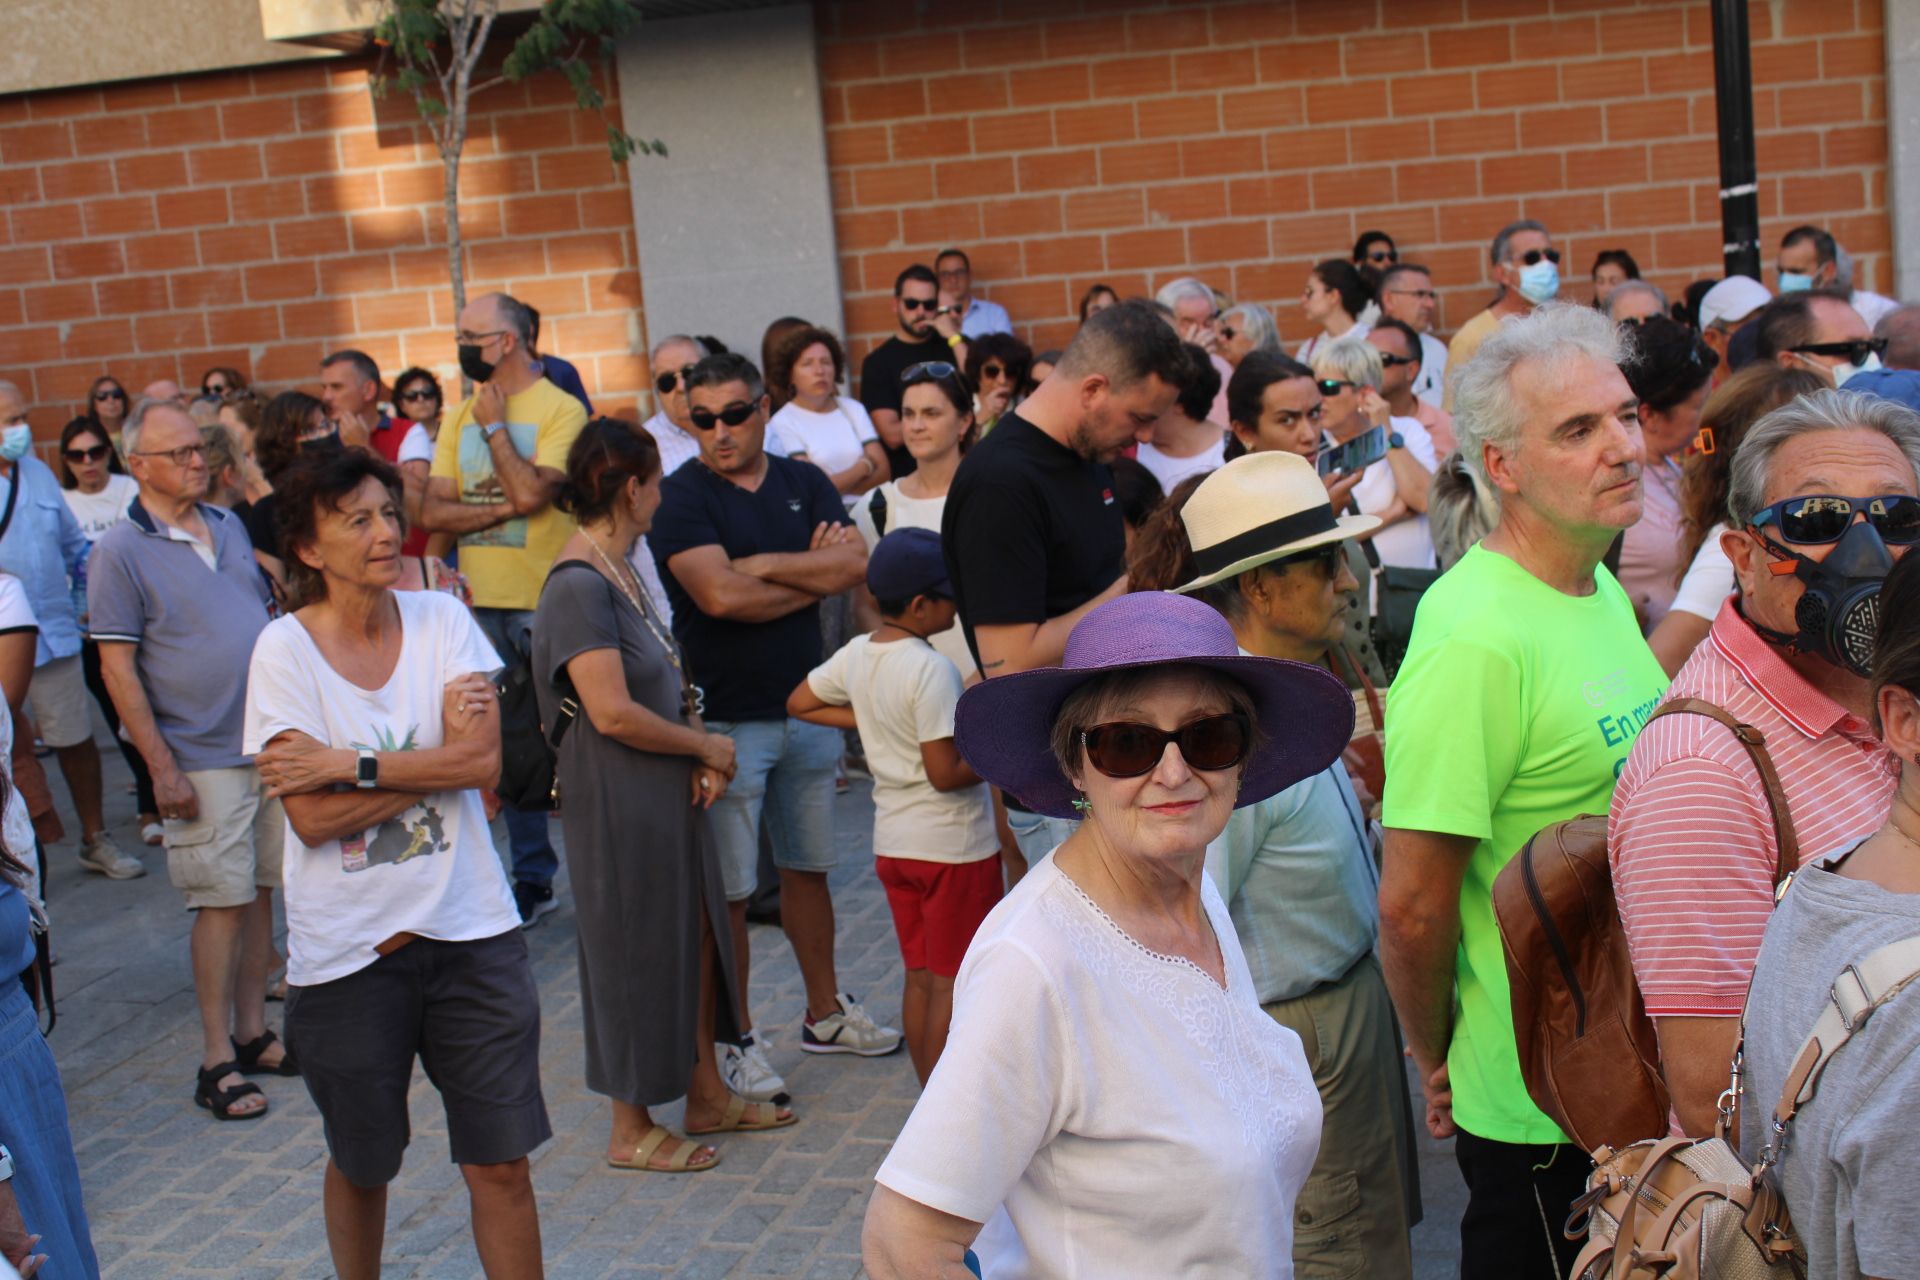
<point x="1112" y="1100"/>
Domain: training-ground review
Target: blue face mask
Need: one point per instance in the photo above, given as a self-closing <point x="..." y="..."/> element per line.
<point x="1794" y="282"/>
<point x="1540" y="282"/>
<point x="15" y="442"/>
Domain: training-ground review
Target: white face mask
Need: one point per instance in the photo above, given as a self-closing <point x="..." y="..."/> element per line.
<point x="1842" y="372"/>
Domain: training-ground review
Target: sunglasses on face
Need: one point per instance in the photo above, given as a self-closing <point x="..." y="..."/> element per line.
<point x="95" y="454"/>
<point x="1126" y="749"/>
<point x="1532" y="256"/>
<point x="1381" y="257"/>
<point x="1326" y="558"/>
<point x="1228" y="332"/>
<point x="733" y="415"/>
<point x="423" y="393"/>
<point x="1820" y="518"/>
<point x="109" y="395"/>
<point x="920" y="304"/>
<point x="214" y="390"/>
<point x="992" y="371"/>
<point x="666" y="382"/>
<point x="1391" y="361"/>
<point x="1331" y="386"/>
<point x="1856" y="350"/>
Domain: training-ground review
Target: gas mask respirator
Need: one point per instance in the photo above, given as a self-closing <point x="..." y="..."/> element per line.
<point x="1839" y="613"/>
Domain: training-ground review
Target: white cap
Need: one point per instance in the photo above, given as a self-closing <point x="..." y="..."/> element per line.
<point x="1733" y="300"/>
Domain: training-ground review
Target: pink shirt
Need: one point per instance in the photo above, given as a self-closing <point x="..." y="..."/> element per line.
<point x="1650" y="564"/>
<point x="1439" y="425"/>
<point x="1691" y="836"/>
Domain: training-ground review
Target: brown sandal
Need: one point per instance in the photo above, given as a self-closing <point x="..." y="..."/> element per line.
<point x="735" y="1121"/>
<point x="680" y="1162"/>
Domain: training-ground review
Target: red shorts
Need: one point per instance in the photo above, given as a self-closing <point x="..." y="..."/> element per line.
<point x="937" y="906"/>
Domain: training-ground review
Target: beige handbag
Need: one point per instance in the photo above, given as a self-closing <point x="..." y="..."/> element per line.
<point x="1690" y="1209"/>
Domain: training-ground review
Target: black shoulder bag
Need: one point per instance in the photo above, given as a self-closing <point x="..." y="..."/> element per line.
<point x="529" y="751"/>
<point x="1396" y="596"/>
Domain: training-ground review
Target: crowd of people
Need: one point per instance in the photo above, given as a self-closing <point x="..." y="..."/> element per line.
<point x="1117" y="631"/>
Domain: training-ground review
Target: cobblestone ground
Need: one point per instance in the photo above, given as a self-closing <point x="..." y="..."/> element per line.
<point x="172" y="1192"/>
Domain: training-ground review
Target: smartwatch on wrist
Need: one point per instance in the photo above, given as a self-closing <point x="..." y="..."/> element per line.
<point x="366" y="770"/>
<point x="1395" y="440"/>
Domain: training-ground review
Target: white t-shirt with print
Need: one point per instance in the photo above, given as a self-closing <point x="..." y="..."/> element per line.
<point x="1407" y="543"/>
<point x="913" y="513"/>
<point x="833" y="440"/>
<point x="99" y="512"/>
<point x="1107" y="1110"/>
<point x="432" y="870"/>
<point x="903" y="694"/>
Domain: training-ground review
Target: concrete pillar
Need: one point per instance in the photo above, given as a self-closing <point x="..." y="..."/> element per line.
<point x="1903" y="143"/>
<point x="735" y="226"/>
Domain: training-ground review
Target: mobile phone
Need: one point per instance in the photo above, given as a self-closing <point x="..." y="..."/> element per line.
<point x="1356" y="454"/>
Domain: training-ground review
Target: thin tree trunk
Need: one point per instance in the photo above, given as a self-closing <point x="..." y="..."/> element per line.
<point x="456" y="266"/>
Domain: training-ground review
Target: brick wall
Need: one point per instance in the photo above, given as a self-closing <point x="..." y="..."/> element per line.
<point x="259" y="219"/>
<point x="1065" y="142"/>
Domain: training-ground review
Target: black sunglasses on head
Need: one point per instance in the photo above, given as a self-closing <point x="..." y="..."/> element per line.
<point x="1532" y="256"/>
<point x="733" y="415"/>
<point x="1127" y="749"/>
<point x="1856" y="350"/>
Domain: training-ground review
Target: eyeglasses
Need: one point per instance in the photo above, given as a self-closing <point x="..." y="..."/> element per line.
<point x="1532" y="256"/>
<point x="109" y="395"/>
<point x="180" y="457"/>
<point x="928" y="369"/>
<point x="920" y="304"/>
<point x="1126" y="749"/>
<point x="423" y="393"/>
<point x="666" y="382"/>
<point x="1332" y="386"/>
<point x="1819" y="518"/>
<point x="1327" y="558"/>
<point x="94" y="454"/>
<point x="1392" y="361"/>
<point x="733" y="415"/>
<point x="1856" y="350"/>
<point x="466" y="339"/>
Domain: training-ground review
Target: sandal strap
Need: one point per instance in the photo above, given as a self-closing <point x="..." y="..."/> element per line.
<point x="249" y="1053"/>
<point x="655" y="1138"/>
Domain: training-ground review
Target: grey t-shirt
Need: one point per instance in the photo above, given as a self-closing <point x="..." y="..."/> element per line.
<point x="1853" y="1152"/>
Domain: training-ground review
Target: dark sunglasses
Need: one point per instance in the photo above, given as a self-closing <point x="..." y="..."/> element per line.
<point x="665" y="383"/>
<point x="1331" y="386"/>
<point x="1817" y="518"/>
<point x="1228" y="332"/>
<point x="1856" y="350"/>
<point x="993" y="371"/>
<point x="733" y="415"/>
<point x="1532" y="256"/>
<point x="1388" y="360"/>
<point x="422" y="393"/>
<point x="928" y="370"/>
<point x="1125" y="749"/>
<point x="109" y="395"/>
<point x="1383" y="255"/>
<point x="94" y="454"/>
<point x="1327" y="557"/>
<point x="920" y="304"/>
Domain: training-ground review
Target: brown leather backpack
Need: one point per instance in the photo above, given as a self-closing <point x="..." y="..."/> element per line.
<point x="1587" y="1047"/>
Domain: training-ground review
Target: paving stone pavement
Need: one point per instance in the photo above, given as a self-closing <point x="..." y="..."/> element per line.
<point x="173" y="1192"/>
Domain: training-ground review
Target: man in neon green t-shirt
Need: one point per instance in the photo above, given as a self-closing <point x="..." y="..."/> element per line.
<point x="1522" y="689"/>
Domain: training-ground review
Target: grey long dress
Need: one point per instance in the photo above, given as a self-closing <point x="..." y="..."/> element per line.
<point x="642" y="858"/>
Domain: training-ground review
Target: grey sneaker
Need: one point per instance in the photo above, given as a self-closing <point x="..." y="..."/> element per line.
<point x="103" y="856"/>
<point x="745" y="1070"/>
<point x="848" y="1030"/>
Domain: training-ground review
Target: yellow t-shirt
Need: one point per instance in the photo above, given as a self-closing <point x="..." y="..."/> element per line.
<point x="1464" y="344"/>
<point x="507" y="564"/>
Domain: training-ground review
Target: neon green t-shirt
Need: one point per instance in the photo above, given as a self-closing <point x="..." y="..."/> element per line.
<point x="1515" y="708"/>
<point x="507" y="564"/>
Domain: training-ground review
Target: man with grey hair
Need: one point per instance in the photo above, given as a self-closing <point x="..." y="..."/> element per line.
<point x="1526" y="267"/>
<point x="498" y="462"/>
<point x="1524" y="683"/>
<point x="1810" y="258"/>
<point x="1196" y="318"/>
<point x="177" y="602"/>
<point x="1900" y="330"/>
<point x="1827" y="489"/>
<point x="43" y="545"/>
<point x="1635" y="301"/>
<point x="350" y="388"/>
<point x="1407" y="295"/>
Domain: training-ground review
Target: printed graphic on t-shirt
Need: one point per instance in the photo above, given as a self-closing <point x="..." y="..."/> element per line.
<point x="417" y="833"/>
<point x="479" y="483"/>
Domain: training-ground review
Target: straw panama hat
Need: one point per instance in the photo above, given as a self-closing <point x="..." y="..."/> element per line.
<point x="1257" y="508"/>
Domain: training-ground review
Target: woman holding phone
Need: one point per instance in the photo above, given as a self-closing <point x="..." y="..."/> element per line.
<point x="1397" y="453"/>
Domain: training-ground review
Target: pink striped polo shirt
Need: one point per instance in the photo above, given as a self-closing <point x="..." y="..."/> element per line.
<point x="1690" y="834"/>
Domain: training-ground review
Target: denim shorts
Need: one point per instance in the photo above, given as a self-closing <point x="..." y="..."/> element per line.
<point x="1037" y="834"/>
<point x="784" y="768"/>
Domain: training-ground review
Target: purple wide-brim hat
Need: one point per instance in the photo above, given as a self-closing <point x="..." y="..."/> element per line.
<point x="1003" y="726"/>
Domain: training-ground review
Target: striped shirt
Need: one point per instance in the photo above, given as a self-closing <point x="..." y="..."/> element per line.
<point x="1690" y="833"/>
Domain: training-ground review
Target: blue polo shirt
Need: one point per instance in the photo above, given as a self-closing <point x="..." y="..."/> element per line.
<point x="194" y="625"/>
<point x="43" y="547"/>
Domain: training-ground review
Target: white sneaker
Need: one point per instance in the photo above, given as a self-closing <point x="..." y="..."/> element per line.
<point x="102" y="855"/>
<point x="848" y="1031"/>
<point x="153" y="833"/>
<point x="745" y="1070"/>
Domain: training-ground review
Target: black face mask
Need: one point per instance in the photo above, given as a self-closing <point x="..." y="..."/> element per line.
<point x="323" y="446"/>
<point x="1839" y="613"/>
<point x="471" y="363"/>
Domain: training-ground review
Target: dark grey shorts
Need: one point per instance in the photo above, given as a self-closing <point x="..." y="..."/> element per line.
<point x="469" y="1010"/>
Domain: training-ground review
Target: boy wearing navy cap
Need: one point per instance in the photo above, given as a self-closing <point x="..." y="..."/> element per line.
<point x="933" y="833"/>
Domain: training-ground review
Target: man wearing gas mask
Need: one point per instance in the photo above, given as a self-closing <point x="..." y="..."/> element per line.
<point x="1822" y="503"/>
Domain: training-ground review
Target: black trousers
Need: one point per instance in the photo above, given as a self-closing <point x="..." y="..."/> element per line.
<point x="1518" y="1197"/>
<point x="97" y="685"/>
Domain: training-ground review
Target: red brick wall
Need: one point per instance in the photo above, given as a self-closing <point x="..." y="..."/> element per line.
<point x="1074" y="141"/>
<point x="261" y="218"/>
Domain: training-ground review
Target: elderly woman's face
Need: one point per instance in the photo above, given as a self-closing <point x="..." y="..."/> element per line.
<point x="813" y="372"/>
<point x="358" y="544"/>
<point x="1235" y="341"/>
<point x="1174" y="809"/>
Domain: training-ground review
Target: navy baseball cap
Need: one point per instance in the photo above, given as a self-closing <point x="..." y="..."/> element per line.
<point x="907" y="563"/>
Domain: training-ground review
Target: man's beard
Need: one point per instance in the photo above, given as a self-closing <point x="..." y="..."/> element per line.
<point x="1082" y="442"/>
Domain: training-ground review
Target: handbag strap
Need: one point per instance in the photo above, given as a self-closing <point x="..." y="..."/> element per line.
<point x="1366" y="544"/>
<point x="1786" y="840"/>
<point x="1861" y="988"/>
<point x="13" y="496"/>
<point x="1340" y="655"/>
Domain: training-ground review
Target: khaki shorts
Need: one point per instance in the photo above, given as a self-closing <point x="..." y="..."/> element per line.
<point x="224" y="857"/>
<point x="58" y="701"/>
